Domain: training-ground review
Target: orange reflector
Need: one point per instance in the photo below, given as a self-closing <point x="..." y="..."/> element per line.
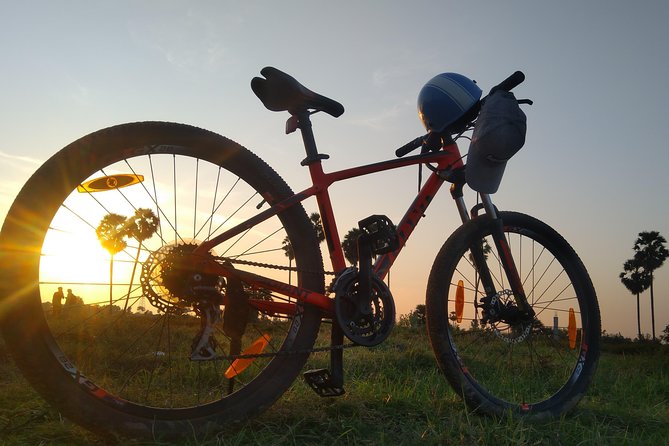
<point x="572" y="329"/>
<point x="110" y="183"/>
<point x="459" y="300"/>
<point x="241" y="364"/>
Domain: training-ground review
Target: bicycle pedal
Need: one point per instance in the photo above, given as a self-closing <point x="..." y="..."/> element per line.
<point x="320" y="381"/>
<point x="380" y="233"/>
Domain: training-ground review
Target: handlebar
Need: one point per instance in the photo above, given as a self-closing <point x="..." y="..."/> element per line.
<point x="430" y="142"/>
<point x="507" y="84"/>
<point x="410" y="146"/>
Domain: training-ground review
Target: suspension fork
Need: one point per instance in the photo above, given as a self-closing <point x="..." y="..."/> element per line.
<point x="506" y="258"/>
<point x="502" y="245"/>
<point x="478" y="256"/>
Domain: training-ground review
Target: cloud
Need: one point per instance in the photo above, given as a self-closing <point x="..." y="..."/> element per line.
<point x="381" y="76"/>
<point x="384" y="119"/>
<point x="379" y="121"/>
<point x="18" y="160"/>
<point x="190" y="41"/>
<point x="403" y="64"/>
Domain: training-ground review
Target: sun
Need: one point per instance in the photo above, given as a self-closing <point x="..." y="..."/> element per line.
<point x="72" y="257"/>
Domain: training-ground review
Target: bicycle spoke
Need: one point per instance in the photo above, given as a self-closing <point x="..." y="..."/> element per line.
<point x="157" y="348"/>
<point x="506" y="358"/>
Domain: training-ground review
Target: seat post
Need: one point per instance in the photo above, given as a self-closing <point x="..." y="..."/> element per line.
<point x="304" y="124"/>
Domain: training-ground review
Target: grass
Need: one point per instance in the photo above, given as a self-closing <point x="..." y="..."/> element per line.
<point x="395" y="395"/>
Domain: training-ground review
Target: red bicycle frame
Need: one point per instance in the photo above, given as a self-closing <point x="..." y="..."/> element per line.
<point x="447" y="158"/>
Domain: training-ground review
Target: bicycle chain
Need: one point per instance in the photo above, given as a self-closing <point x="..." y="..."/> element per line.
<point x="280" y="353"/>
<point x="273" y="266"/>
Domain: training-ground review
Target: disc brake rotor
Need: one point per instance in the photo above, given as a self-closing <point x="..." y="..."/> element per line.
<point x="508" y="331"/>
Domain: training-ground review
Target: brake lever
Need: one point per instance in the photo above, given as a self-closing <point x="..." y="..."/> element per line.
<point x="432" y="143"/>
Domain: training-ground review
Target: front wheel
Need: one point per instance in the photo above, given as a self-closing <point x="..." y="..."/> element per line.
<point x="498" y="362"/>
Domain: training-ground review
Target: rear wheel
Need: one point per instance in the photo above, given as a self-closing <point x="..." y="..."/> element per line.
<point x="142" y="351"/>
<point x="498" y="362"/>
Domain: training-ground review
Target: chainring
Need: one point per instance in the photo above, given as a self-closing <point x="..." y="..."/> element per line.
<point x="366" y="321"/>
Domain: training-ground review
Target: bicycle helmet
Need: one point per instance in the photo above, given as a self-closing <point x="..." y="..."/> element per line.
<point x="445" y="99"/>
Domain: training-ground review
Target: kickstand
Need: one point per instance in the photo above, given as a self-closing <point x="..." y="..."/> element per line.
<point x="337" y="356"/>
<point x="235" y="349"/>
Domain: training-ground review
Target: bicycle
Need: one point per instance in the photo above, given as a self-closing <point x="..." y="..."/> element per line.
<point x="190" y="324"/>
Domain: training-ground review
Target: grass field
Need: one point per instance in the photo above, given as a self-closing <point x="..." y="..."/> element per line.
<point x="395" y="395"/>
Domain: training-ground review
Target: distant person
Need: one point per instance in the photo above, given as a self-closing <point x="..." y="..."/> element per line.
<point x="71" y="299"/>
<point x="57" y="301"/>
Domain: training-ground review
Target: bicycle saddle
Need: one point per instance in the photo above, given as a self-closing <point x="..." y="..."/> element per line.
<point x="281" y="92"/>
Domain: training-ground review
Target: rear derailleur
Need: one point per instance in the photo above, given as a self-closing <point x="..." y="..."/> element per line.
<point x="235" y="319"/>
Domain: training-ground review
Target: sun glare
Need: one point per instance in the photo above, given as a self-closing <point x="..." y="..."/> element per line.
<point x="74" y="260"/>
<point x="193" y="203"/>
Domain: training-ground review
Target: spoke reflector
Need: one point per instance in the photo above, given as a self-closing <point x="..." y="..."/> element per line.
<point x="572" y="329"/>
<point x="110" y="182"/>
<point x="241" y="364"/>
<point x="459" y="300"/>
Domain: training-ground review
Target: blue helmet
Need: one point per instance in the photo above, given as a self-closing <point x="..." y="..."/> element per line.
<point x="445" y="99"/>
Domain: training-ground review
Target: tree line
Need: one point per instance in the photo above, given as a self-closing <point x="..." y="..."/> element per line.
<point x="650" y="252"/>
<point x="349" y="244"/>
<point x="637" y="276"/>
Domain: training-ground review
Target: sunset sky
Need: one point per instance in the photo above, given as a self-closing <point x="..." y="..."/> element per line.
<point x="594" y="165"/>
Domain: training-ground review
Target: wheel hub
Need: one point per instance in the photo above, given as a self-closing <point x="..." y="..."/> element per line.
<point x="507" y="321"/>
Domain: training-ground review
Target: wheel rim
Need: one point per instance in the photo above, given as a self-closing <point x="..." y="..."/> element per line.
<point x="513" y="363"/>
<point x="143" y="355"/>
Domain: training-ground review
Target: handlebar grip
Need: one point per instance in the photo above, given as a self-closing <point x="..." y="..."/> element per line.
<point x="510" y="82"/>
<point x="410" y="146"/>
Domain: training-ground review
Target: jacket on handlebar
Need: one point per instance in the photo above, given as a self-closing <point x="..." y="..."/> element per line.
<point x="498" y="134"/>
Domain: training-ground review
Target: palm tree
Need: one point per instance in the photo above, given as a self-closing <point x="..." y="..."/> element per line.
<point x="636" y="280"/>
<point x="141" y="226"/>
<point x="651" y="254"/>
<point x="288" y="250"/>
<point x="110" y="233"/>
<point x="486" y="249"/>
<point x="350" y="245"/>
<point x="315" y="219"/>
